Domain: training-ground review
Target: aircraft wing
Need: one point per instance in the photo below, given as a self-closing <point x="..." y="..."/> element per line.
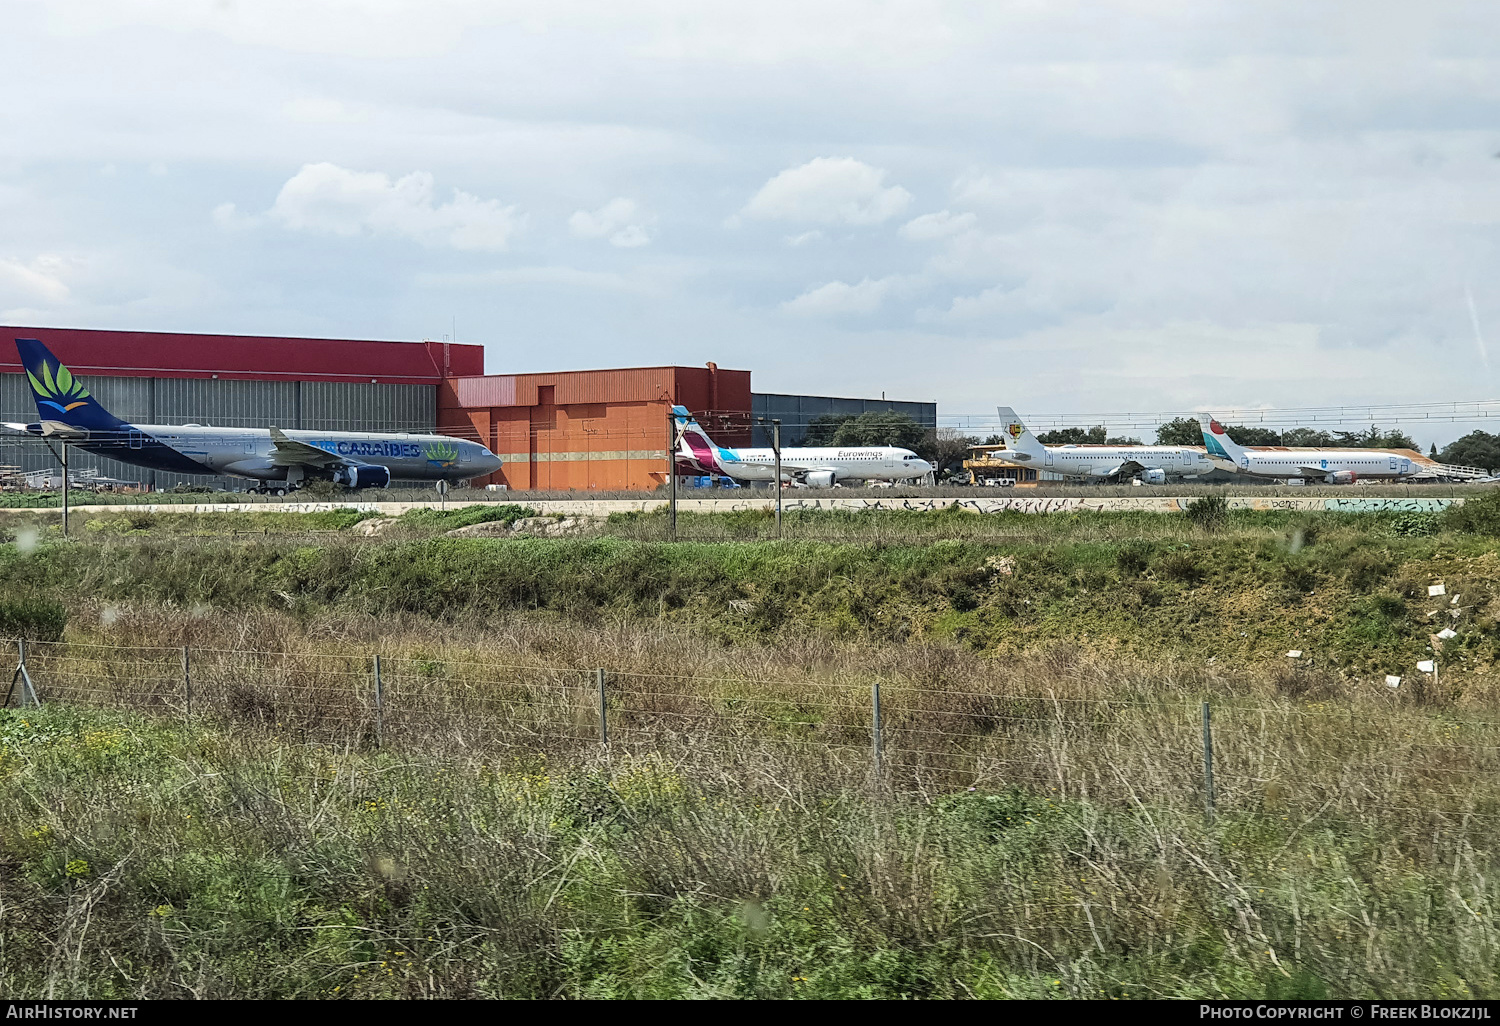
<point x="1130" y="467"/>
<point x="1315" y="470"/>
<point x="288" y="452"/>
<point x="19" y="429"/>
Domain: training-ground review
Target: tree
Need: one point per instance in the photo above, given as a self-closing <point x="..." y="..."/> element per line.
<point x="1244" y="434"/>
<point x="1073" y="436"/>
<point x="874" y="427"/>
<point x="820" y="430"/>
<point x="879" y="427"/>
<point x="1309" y="437"/>
<point x="1187" y="431"/>
<point x="1182" y="431"/>
<point x="1374" y="438"/>
<point x="1475" y="449"/>
<point x="946" y="448"/>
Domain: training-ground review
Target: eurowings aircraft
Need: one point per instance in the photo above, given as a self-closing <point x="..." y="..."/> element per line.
<point x="1153" y="463"/>
<point x="279" y="460"/>
<point x="819" y="467"/>
<point x="1331" y="466"/>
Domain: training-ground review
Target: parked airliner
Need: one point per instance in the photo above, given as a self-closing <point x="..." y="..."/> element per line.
<point x="1331" y="466"/>
<point x="820" y="467"/>
<point x="279" y="460"/>
<point x="1152" y="463"/>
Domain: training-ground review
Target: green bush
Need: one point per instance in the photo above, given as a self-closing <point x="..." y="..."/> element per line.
<point x="34" y="619"/>
<point x="1475" y="516"/>
<point x="1132" y="560"/>
<point x="466" y="516"/>
<point x="1416" y="525"/>
<point x="1209" y="512"/>
<point x="1179" y="566"/>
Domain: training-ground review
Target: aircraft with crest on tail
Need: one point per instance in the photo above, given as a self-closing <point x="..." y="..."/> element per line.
<point x="278" y="460"/>
<point x="1151" y="463"/>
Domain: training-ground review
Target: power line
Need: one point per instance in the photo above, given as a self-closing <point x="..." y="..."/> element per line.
<point x="1391" y="414"/>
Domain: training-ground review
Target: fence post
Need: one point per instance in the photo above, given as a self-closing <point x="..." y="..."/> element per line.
<point x="603" y="712"/>
<point x="187" y="683"/>
<point x="1208" y="766"/>
<point x="22" y="674"/>
<point x="28" y="688"/>
<point x="878" y="733"/>
<point x="379" y="707"/>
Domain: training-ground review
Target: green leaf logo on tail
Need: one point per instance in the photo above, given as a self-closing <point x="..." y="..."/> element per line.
<point x="441" y="454"/>
<point x="62" y="391"/>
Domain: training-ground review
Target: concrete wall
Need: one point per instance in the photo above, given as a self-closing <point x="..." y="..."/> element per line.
<point x="1019" y="504"/>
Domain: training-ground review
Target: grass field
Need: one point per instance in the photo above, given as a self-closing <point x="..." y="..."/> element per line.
<point x="1036" y="826"/>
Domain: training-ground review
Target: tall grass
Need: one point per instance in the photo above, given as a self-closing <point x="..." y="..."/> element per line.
<point x="1035" y="828"/>
<point x="1066" y="854"/>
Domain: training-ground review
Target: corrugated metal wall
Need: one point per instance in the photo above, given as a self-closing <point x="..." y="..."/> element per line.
<point x="336" y="406"/>
<point x="328" y="406"/>
<point x="797" y="412"/>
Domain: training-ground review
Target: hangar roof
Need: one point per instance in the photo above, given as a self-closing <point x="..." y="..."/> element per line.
<point x="159" y="354"/>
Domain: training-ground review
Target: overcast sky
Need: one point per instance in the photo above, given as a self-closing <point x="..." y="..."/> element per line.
<point x="1060" y="205"/>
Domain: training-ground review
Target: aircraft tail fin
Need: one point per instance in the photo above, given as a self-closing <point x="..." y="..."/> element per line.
<point x="1017" y="435"/>
<point x="1218" y="443"/>
<point x="62" y="403"/>
<point x="694" y="447"/>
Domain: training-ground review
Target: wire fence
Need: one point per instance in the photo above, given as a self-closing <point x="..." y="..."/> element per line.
<point x="1295" y="758"/>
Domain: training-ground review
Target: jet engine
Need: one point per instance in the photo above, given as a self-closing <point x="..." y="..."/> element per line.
<point x="363" y="477"/>
<point x="820" y="479"/>
<point x="1342" y="477"/>
<point x="1153" y="476"/>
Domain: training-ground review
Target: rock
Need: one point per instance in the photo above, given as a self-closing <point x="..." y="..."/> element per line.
<point x="540" y="527"/>
<point x="548" y="527"/>
<point x="532" y="525"/>
<point x="372" y="528"/>
<point x="488" y="529"/>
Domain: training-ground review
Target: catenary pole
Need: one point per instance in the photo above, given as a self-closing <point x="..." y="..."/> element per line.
<point x="671" y="475"/>
<point x="65" y="486"/>
<point x="776" y="482"/>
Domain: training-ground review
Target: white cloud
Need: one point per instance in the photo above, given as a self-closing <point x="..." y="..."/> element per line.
<point x="228" y="217"/>
<point x="623" y="221"/>
<point x="838" y="297"/>
<point x="334" y="200"/>
<point x="804" y="238"/>
<point x="829" y="190"/>
<point x="39" y="281"/>
<point x="941" y="225"/>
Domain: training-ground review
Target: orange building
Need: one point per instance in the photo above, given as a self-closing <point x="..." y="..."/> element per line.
<point x="602" y="430"/>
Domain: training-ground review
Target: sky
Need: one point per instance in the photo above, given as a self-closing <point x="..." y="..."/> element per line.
<point x="1056" y="205"/>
